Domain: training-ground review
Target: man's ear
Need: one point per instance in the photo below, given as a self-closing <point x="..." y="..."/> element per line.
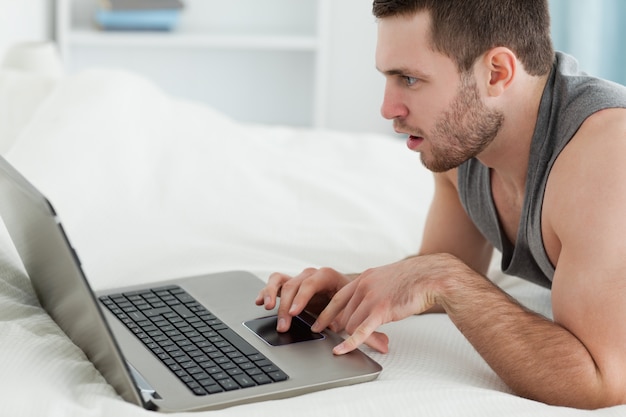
<point x="501" y="66"/>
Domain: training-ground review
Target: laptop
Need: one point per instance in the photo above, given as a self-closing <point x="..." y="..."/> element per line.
<point x="196" y="343"/>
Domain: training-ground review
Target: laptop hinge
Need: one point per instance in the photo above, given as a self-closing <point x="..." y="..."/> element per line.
<point x="148" y="393"/>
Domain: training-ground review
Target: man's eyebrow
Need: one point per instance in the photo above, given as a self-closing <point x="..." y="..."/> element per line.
<point x="402" y="71"/>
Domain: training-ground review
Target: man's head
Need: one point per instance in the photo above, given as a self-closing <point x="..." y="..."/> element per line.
<point x="453" y="71"/>
<point x="465" y="29"/>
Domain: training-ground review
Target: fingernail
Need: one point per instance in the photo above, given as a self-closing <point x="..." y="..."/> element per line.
<point x="281" y="325"/>
<point x="293" y="309"/>
<point x="267" y="299"/>
<point x="340" y="349"/>
<point x="315" y="328"/>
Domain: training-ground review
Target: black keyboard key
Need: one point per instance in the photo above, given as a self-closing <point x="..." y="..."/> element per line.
<point x="156" y="311"/>
<point x="183" y="311"/>
<point x="234" y="371"/>
<point x="185" y="298"/>
<point x="278" y="375"/>
<point x="238" y="342"/>
<point x="244" y="380"/>
<point x="253" y="371"/>
<point x="137" y="316"/>
<point x="261" y="379"/>
<point x="228" y="384"/>
<point x="213" y="389"/>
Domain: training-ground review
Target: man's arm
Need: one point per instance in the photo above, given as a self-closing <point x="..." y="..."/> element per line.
<point x="577" y="360"/>
<point x="449" y="229"/>
<point x="587" y="202"/>
<point x="580" y="358"/>
<point x="539" y="359"/>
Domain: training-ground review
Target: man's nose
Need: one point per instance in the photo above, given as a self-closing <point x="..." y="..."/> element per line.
<point x="393" y="106"/>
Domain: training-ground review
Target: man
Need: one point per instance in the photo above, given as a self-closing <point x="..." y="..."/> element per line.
<point x="529" y="158"/>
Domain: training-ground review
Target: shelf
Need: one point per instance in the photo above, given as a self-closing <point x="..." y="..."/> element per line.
<point x="87" y="37"/>
<point x="233" y="56"/>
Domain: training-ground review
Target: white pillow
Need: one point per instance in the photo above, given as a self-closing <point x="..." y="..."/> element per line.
<point x="152" y="187"/>
<point x="21" y="93"/>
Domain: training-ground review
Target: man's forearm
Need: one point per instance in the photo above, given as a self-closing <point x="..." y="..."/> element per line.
<point x="536" y="357"/>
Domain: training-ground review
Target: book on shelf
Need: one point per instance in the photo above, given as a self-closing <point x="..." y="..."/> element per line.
<point x="139" y="15"/>
<point x="140" y="4"/>
<point x="161" y="20"/>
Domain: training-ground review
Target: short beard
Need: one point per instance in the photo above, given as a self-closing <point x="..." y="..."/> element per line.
<point x="468" y="127"/>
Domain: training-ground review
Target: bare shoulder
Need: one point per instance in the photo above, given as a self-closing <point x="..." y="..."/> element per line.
<point x="590" y="172"/>
<point x="601" y="130"/>
<point x="585" y="199"/>
<point x="609" y="124"/>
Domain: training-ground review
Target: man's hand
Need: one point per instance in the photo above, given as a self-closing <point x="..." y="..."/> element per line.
<point x="311" y="290"/>
<point x="359" y="306"/>
<point x="382" y="295"/>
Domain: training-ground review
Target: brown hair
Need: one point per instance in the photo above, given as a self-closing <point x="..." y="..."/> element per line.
<point x="465" y="29"/>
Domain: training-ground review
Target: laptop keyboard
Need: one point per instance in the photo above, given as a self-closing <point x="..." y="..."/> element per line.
<point x="203" y="352"/>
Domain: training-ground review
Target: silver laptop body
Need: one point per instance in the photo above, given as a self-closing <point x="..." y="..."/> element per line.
<point x="135" y="372"/>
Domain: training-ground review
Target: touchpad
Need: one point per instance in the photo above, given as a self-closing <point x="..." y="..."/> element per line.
<point x="299" y="331"/>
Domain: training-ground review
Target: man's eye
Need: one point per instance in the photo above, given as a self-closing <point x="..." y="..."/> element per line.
<point x="410" y="80"/>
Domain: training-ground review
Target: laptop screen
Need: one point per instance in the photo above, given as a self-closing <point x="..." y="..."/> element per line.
<point x="58" y="279"/>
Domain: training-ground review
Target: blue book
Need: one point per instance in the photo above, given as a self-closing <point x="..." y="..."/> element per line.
<point x="140" y="4"/>
<point x="163" y="20"/>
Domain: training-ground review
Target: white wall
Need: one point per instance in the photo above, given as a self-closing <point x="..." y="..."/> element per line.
<point x="24" y="21"/>
<point x="355" y="87"/>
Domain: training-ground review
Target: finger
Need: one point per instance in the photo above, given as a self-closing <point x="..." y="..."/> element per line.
<point x="338" y="324"/>
<point x="267" y="296"/>
<point x="320" y="281"/>
<point x="360" y="335"/>
<point x="353" y="311"/>
<point x="378" y="341"/>
<point x="334" y="308"/>
<point x="289" y="290"/>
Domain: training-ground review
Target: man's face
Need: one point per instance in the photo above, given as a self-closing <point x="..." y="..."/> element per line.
<point x="426" y="97"/>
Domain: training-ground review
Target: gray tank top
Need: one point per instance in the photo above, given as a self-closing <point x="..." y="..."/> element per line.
<point x="569" y="98"/>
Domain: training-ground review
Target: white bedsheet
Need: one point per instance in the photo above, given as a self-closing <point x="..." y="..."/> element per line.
<point x="150" y="188"/>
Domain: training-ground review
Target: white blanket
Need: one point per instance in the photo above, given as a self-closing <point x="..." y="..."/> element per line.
<point x="150" y="187"/>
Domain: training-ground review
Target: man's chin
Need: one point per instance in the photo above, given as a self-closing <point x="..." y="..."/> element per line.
<point x="438" y="167"/>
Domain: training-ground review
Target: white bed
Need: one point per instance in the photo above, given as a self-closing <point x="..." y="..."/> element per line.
<point x="151" y="187"/>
